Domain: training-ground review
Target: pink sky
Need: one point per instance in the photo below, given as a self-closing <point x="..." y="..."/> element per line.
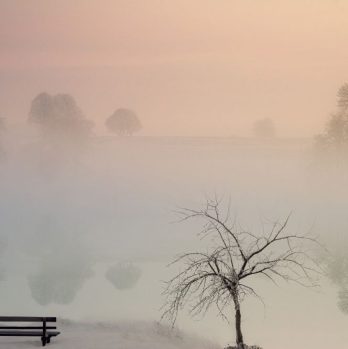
<point x="187" y="67"/>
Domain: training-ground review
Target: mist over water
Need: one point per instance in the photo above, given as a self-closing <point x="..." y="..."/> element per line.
<point x="115" y="114"/>
<point x="67" y="222"/>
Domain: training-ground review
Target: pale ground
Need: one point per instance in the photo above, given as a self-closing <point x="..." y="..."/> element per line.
<point x="136" y="335"/>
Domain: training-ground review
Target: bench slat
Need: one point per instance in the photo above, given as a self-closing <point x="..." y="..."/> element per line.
<point x="27" y="328"/>
<point x="27" y="319"/>
<point x="29" y="333"/>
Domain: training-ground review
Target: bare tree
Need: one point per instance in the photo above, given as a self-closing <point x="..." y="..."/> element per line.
<point x="220" y="277"/>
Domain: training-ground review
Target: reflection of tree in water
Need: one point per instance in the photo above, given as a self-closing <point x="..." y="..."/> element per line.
<point x="123" y="275"/>
<point x="343" y="300"/>
<point x="64" y="263"/>
<point x="59" y="278"/>
<point x="3" y="245"/>
<point x="337" y="270"/>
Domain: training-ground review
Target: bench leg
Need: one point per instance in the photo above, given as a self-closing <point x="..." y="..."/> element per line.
<point x="43" y="341"/>
<point x="48" y="340"/>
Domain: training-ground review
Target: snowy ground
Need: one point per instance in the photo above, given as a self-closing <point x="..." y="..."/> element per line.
<point x="138" y="335"/>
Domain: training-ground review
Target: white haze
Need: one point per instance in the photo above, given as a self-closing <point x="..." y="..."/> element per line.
<point x="76" y="214"/>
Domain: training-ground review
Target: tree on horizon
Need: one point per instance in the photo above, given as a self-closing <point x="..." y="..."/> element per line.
<point x="335" y="134"/>
<point x="59" y="117"/>
<point x="123" y="122"/>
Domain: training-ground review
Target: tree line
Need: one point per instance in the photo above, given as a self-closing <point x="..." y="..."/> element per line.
<point x="59" y="115"/>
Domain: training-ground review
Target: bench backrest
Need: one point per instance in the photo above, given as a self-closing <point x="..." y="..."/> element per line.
<point x="30" y="319"/>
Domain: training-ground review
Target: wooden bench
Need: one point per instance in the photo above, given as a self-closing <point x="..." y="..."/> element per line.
<point x="42" y="330"/>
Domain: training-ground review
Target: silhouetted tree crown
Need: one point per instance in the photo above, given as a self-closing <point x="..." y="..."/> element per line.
<point x="335" y="134"/>
<point x="342" y="96"/>
<point x="59" y="115"/>
<point x="2" y="124"/>
<point x="123" y="122"/>
<point x="2" y="131"/>
<point x="264" y="128"/>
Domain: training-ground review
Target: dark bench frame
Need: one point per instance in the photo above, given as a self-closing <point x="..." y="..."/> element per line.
<point x="43" y="331"/>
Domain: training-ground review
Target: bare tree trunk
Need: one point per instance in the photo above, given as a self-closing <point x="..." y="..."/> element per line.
<point x="239" y="335"/>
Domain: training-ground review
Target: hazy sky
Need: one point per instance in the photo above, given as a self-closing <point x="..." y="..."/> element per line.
<point x="188" y="67"/>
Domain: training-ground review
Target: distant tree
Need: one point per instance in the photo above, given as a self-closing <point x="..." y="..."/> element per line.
<point x="123" y="122"/>
<point x="264" y="128"/>
<point x="65" y="132"/>
<point x="2" y="125"/>
<point x="221" y="275"/>
<point x="335" y="135"/>
<point x="2" y="131"/>
<point x="342" y="97"/>
<point x="59" y="117"/>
